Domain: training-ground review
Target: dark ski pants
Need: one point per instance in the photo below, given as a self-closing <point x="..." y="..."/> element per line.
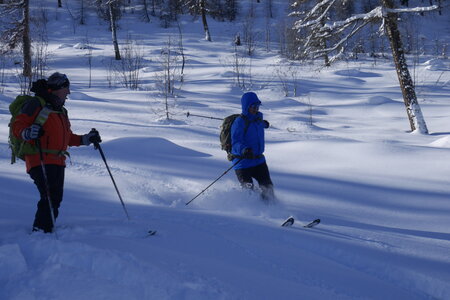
<point x="262" y="176"/>
<point x="55" y="177"/>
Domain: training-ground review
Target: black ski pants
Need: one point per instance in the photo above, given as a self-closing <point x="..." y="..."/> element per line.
<point x="262" y="176"/>
<point x="55" y="178"/>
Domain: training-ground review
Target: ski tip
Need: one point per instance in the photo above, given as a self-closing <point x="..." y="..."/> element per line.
<point x="312" y="224"/>
<point x="288" y="222"/>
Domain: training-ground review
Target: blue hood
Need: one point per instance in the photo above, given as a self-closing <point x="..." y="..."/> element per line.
<point x="247" y="100"/>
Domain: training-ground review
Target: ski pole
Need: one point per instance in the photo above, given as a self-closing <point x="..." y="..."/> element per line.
<point x="47" y="186"/>
<point x="223" y="174"/>
<point x="97" y="146"/>
<point x="188" y="114"/>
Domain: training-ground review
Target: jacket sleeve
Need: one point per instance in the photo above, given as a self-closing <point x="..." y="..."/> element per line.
<point x="74" y="139"/>
<point x="237" y="137"/>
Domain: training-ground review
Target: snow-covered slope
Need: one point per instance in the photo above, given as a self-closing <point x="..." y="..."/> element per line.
<point x="341" y="152"/>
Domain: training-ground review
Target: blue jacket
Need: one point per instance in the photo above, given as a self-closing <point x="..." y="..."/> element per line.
<point x="252" y="138"/>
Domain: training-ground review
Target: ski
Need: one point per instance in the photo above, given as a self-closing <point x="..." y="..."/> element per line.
<point x="290" y="221"/>
<point x="312" y="224"/>
<point x="151" y="232"/>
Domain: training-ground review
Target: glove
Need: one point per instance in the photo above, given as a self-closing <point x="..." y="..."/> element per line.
<point x="92" y="137"/>
<point x="266" y="124"/>
<point x="248" y="153"/>
<point x="33" y="132"/>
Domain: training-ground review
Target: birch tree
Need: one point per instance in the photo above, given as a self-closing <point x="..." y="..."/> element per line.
<point x="199" y="7"/>
<point x="113" y="14"/>
<point x="415" y="117"/>
<point x="202" y="6"/>
<point x="109" y="10"/>
<point x="340" y="32"/>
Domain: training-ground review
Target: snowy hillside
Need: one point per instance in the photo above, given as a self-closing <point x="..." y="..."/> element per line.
<point x="340" y="151"/>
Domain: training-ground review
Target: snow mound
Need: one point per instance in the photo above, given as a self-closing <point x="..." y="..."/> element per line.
<point x="378" y="100"/>
<point x="81" y="46"/>
<point x="441" y="143"/>
<point x="77" y="96"/>
<point x="228" y="74"/>
<point x="147" y="70"/>
<point x="140" y="148"/>
<point x="353" y="80"/>
<point x="64" y="46"/>
<point x="283" y="103"/>
<point x="356" y="73"/>
<point x="436" y="65"/>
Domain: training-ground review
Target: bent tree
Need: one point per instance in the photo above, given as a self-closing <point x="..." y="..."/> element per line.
<point x="336" y="34"/>
<point x="413" y="111"/>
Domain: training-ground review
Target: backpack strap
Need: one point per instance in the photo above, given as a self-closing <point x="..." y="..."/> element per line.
<point x="42" y="118"/>
<point x="45" y="112"/>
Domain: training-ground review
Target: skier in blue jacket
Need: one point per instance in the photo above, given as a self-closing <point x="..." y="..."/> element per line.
<point x="247" y="139"/>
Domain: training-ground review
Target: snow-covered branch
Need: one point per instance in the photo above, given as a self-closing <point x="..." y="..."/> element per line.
<point x="340" y="44"/>
<point x="374" y="14"/>
<point x="412" y="10"/>
<point x="321" y="10"/>
<point x="321" y="30"/>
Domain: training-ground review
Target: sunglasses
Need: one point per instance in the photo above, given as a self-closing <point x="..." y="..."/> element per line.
<point x="255" y="106"/>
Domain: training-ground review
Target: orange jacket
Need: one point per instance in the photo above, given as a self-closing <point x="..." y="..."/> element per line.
<point x="57" y="134"/>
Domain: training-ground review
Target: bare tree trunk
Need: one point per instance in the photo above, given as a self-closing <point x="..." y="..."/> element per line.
<point x="413" y="110"/>
<point x="146" y="15"/>
<point x="168" y="82"/>
<point x="183" y="57"/>
<point x="323" y="45"/>
<point x="114" y="31"/>
<point x="82" y="12"/>
<point x="205" y="23"/>
<point x="26" y="40"/>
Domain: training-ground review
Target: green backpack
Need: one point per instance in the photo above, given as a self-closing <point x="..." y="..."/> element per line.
<point x="20" y="148"/>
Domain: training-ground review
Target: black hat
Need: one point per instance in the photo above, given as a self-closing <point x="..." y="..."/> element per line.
<point x="58" y="81"/>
